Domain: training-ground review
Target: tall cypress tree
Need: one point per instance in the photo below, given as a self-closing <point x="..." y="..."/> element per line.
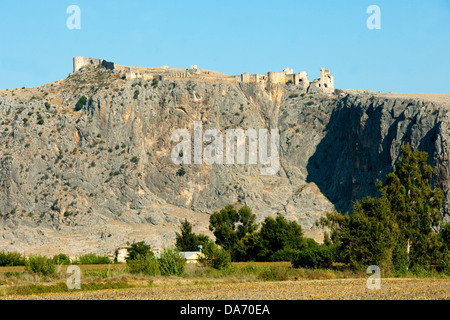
<point x="415" y="205"/>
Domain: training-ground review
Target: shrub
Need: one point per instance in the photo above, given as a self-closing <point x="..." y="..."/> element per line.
<point x="181" y="172"/>
<point x="400" y="260"/>
<point x="285" y="254"/>
<point x="61" y="259"/>
<point x="80" y="104"/>
<point x="445" y="266"/>
<point x="171" y="262"/>
<point x="145" y="264"/>
<point x="92" y="258"/>
<point x="135" y="159"/>
<point x="273" y="274"/>
<point x="316" y="257"/>
<point x="12" y="259"/>
<point x="136" y="94"/>
<point x="214" y="256"/>
<point x="40" y="265"/>
<point x="155" y="83"/>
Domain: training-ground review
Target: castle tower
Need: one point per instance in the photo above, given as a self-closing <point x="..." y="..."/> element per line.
<point x="326" y="79"/>
<point x="276" y="77"/>
<point x="78" y="63"/>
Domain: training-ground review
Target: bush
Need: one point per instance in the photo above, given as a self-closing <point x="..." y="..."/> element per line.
<point x="445" y="266"/>
<point x="145" y="264"/>
<point x="181" y="172"/>
<point x="273" y="274"/>
<point x="80" y="104"/>
<point x="61" y="259"/>
<point x="40" y="265"/>
<point x="215" y="257"/>
<point x="171" y="262"/>
<point x="285" y="254"/>
<point x="92" y="258"/>
<point x="400" y="260"/>
<point x="318" y="257"/>
<point x="136" y="94"/>
<point x="135" y="159"/>
<point x="12" y="259"/>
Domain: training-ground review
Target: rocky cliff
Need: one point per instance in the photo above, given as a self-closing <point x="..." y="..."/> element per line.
<point x="91" y="180"/>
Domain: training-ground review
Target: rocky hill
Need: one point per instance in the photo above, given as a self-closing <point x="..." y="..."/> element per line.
<point x="91" y="180"/>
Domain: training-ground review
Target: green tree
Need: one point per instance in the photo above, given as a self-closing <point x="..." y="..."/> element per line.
<point x="315" y="257"/>
<point x="247" y="222"/>
<point x="444" y="238"/>
<point x="279" y="234"/>
<point x="415" y="205"/>
<point x="397" y="228"/>
<point x="138" y="250"/>
<point x="248" y="248"/>
<point x="368" y="237"/>
<point x="187" y="240"/>
<point x="229" y="226"/>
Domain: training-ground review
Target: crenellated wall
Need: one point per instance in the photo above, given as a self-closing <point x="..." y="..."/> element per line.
<point x="325" y="83"/>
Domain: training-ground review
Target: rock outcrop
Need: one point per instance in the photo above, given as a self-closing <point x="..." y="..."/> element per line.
<point x="91" y="180"/>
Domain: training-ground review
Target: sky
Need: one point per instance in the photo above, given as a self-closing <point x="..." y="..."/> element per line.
<point x="409" y="53"/>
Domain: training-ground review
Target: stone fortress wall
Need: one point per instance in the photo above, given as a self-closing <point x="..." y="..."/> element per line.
<point x="325" y="83"/>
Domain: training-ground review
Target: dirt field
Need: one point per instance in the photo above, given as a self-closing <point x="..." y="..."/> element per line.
<point x="354" y="289"/>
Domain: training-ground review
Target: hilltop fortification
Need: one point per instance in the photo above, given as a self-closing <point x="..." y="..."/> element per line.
<point x="77" y="180"/>
<point x="325" y="83"/>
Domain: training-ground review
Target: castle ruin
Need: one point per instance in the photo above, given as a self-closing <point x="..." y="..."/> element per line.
<point x="325" y="83"/>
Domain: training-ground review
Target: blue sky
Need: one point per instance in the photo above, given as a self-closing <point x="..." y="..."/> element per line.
<point x="410" y="53"/>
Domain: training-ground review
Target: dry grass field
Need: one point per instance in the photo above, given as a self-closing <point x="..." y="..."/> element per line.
<point x="247" y="281"/>
<point x="343" y="289"/>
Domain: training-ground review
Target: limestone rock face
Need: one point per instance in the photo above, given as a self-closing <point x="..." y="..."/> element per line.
<point x="91" y="180"/>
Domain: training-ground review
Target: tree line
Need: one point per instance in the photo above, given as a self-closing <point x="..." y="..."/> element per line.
<point x="399" y="230"/>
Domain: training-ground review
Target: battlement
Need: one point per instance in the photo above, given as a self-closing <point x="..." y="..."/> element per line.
<point x="325" y="83"/>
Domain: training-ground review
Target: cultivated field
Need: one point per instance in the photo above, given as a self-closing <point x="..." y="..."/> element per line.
<point x="256" y="281"/>
<point x="355" y="289"/>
